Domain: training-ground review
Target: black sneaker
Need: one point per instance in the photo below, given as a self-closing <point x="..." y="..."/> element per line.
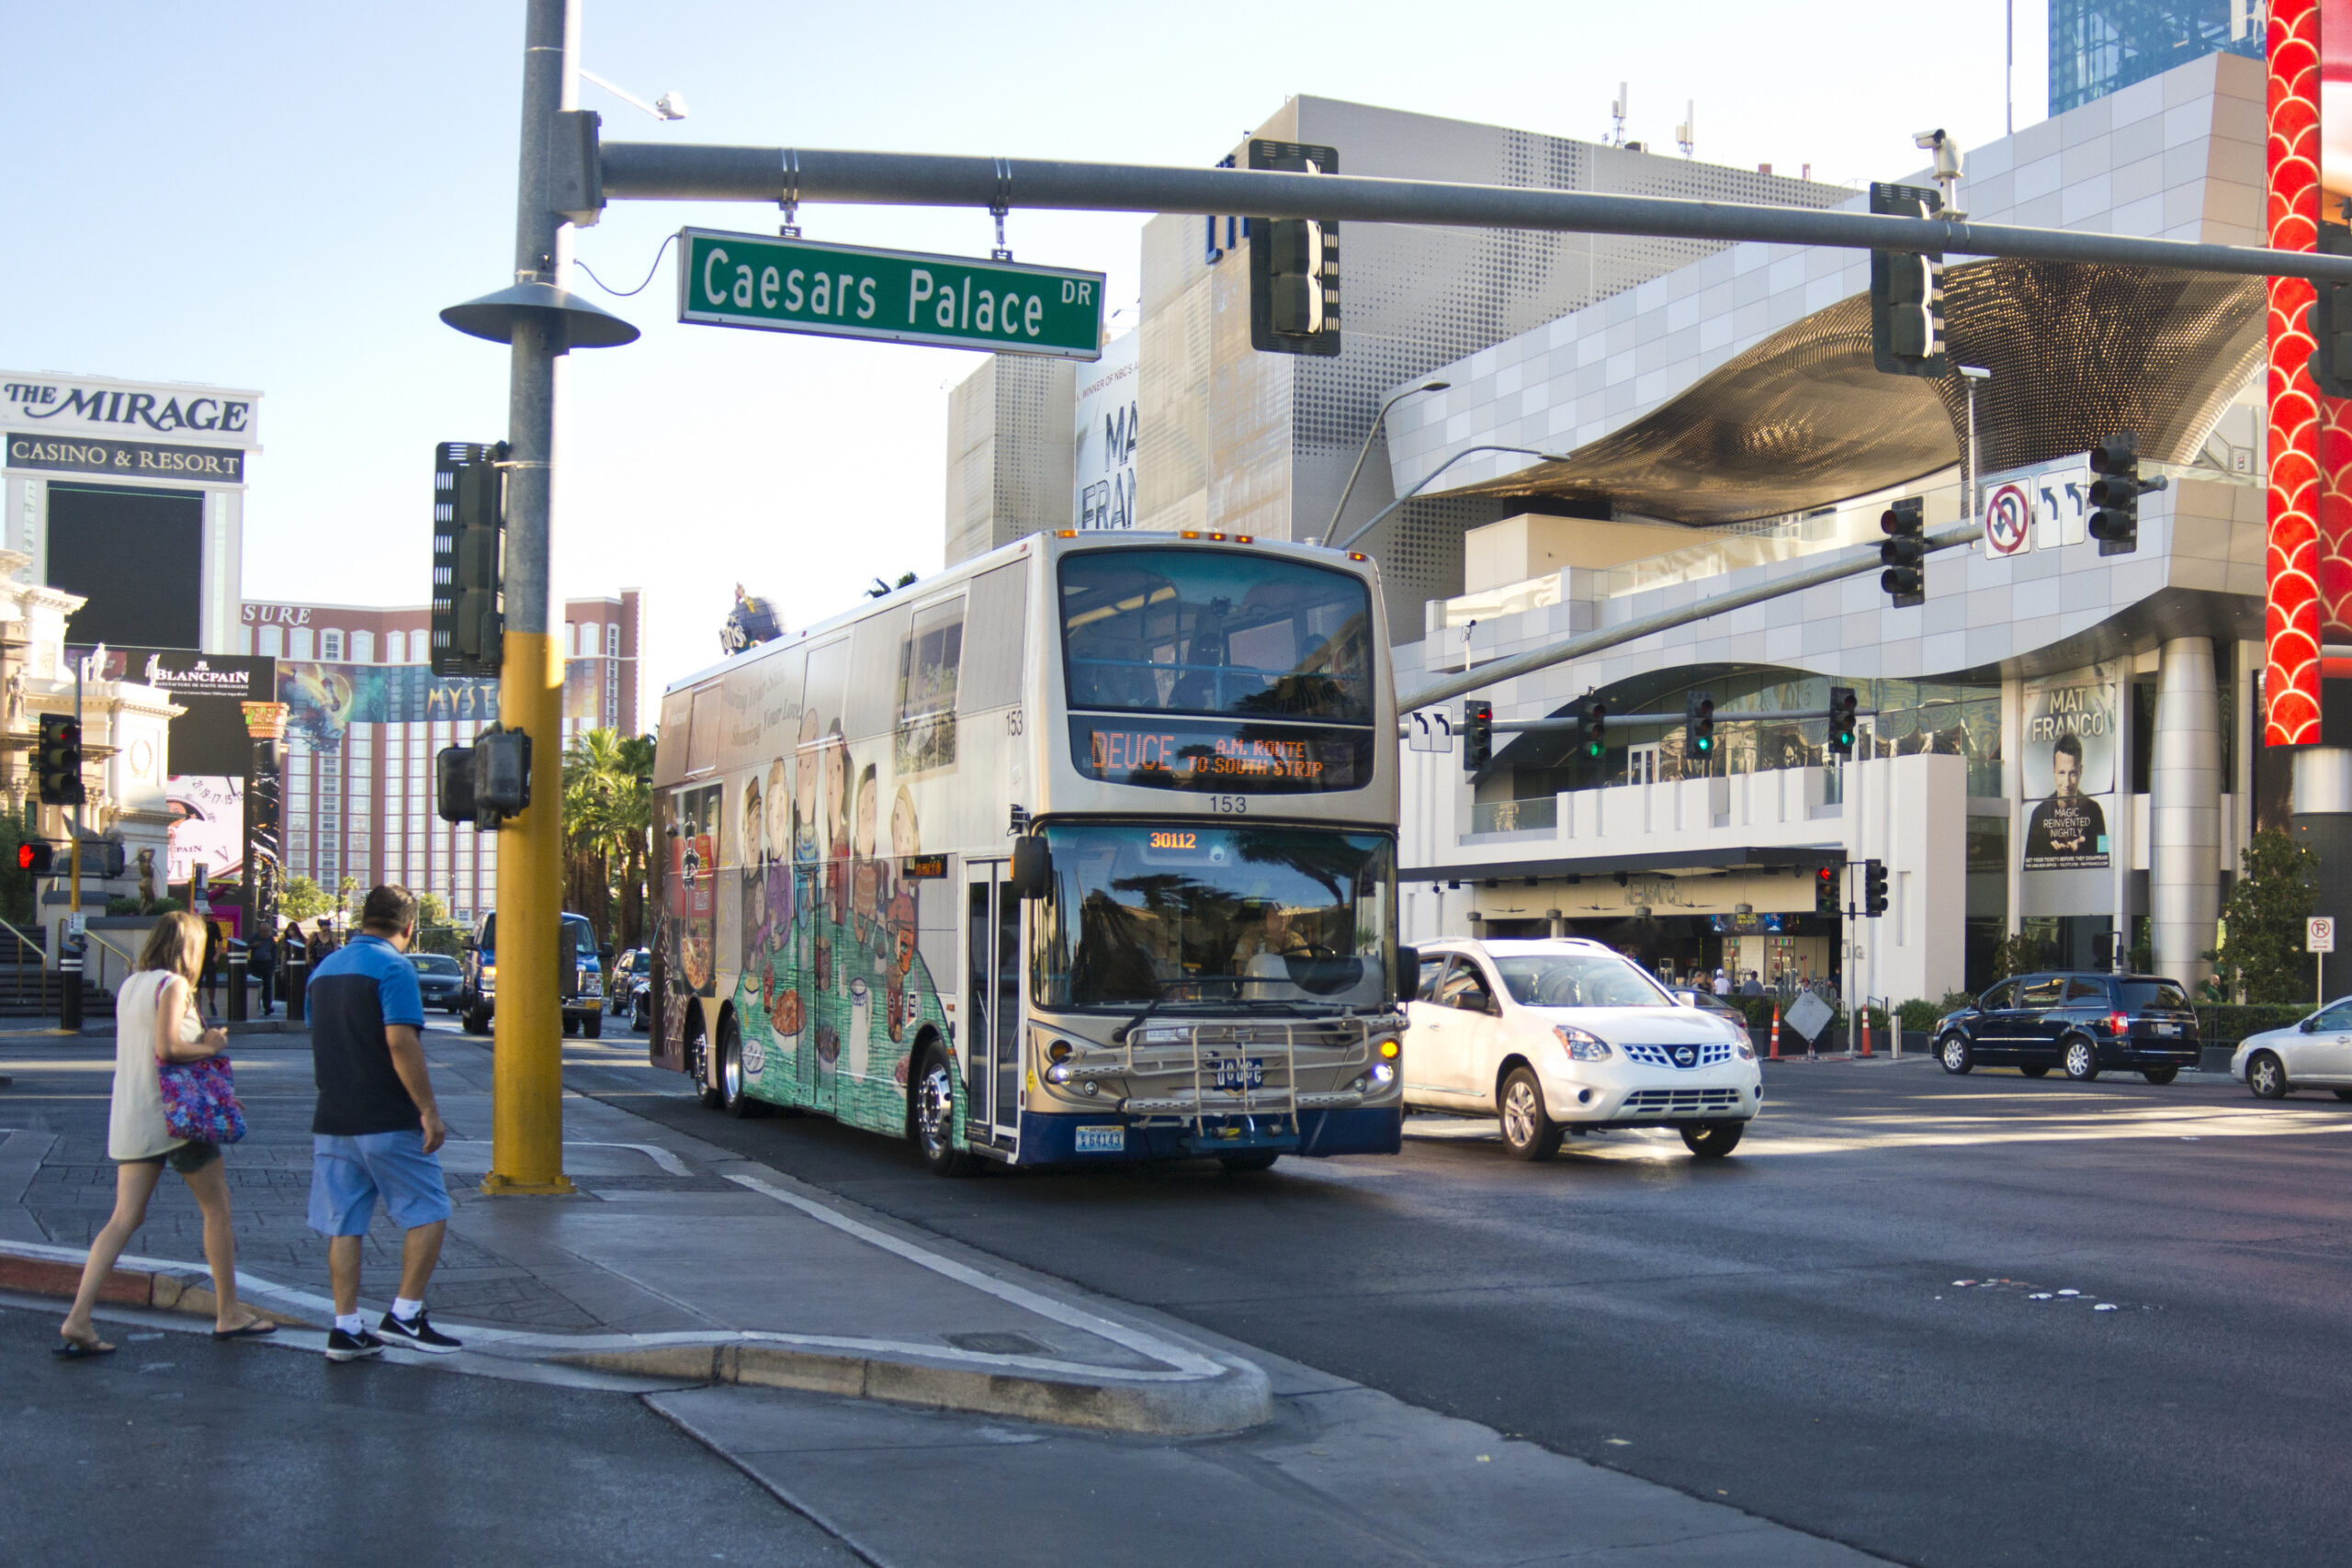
<point x="342" y="1346"/>
<point x="416" y="1333"/>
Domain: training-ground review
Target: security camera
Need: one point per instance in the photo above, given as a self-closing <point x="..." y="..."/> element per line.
<point x="1926" y="138"/>
<point x="672" y="105"/>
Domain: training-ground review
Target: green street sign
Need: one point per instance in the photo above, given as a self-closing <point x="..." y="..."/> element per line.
<point x="800" y="285"/>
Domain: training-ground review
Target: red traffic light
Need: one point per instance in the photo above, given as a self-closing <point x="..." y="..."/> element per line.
<point x="34" y="857"/>
<point x="24" y="857"/>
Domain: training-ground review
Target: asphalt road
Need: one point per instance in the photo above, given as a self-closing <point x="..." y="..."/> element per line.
<point x="178" y="1450"/>
<point x="1783" y="1330"/>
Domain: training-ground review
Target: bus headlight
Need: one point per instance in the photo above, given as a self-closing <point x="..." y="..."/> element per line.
<point x="1057" y="1073"/>
<point x="1582" y="1046"/>
<point x="1382" y="1074"/>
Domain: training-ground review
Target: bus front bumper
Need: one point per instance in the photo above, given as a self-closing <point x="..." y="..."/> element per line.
<point x="1106" y="1137"/>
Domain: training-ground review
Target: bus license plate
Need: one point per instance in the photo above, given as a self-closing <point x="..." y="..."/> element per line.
<point x="1240" y="1073"/>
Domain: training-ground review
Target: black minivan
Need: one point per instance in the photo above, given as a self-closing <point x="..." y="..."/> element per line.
<point x="2083" y="1022"/>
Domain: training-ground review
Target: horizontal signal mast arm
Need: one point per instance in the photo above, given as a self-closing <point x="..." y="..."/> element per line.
<point x="644" y="171"/>
<point x="1503" y="670"/>
<point x="1791" y="716"/>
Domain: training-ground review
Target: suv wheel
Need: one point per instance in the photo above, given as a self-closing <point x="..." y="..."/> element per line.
<point x="1528" y="1130"/>
<point x="2160" y="1074"/>
<point x="2081" y="1058"/>
<point x="1956" y="1054"/>
<point x="1712" y="1140"/>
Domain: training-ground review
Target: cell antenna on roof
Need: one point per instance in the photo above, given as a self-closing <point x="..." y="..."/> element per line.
<point x="1684" y="133"/>
<point x="1617" y="113"/>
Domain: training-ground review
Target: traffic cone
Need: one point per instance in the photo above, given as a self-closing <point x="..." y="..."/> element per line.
<point x="1775" y="1030"/>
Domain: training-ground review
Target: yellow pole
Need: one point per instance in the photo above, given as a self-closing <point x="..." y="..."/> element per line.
<point x="527" y="1083"/>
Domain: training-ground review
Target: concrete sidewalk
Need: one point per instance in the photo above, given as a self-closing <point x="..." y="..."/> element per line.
<point x="675" y="1258"/>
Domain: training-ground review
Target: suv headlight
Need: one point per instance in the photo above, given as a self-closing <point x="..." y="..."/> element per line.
<point x="1582" y="1044"/>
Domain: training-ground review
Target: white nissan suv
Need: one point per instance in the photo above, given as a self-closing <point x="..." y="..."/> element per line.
<point x="1569" y="1036"/>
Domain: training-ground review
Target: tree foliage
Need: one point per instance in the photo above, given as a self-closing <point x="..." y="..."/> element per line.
<point x="607" y="811"/>
<point x="300" y="898"/>
<point x="2262" y="957"/>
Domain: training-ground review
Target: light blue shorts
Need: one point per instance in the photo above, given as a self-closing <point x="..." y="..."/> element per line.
<point x="348" y="1175"/>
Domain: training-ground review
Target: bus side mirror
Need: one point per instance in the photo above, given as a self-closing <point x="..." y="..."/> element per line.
<point x="1033" y="866"/>
<point x="1409" y="972"/>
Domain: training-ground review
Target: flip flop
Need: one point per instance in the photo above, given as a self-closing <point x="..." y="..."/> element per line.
<point x="258" y="1329"/>
<point x="82" y="1350"/>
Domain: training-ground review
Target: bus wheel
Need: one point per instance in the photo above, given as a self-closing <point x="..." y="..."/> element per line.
<point x="732" y="1096"/>
<point x="699" y="1069"/>
<point x="933" y="1115"/>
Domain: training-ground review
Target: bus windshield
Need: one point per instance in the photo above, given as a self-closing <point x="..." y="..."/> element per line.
<point x="1183" y="917"/>
<point x="1224" y="632"/>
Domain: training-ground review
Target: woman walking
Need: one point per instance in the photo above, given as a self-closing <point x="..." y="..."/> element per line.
<point x="154" y="1022"/>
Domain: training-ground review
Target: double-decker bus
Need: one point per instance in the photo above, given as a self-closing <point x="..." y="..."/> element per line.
<point x="1081" y="851"/>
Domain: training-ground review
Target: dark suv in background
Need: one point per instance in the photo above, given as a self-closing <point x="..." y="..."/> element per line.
<point x="2081" y="1021"/>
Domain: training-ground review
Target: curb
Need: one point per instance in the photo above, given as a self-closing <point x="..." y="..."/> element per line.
<point x="1238" y="1397"/>
<point x="189" y="1294"/>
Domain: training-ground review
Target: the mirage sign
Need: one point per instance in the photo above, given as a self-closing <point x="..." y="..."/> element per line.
<point x="96" y="406"/>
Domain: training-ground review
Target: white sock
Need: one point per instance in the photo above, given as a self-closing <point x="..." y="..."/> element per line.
<point x="405" y="1309"/>
<point x="351" y="1323"/>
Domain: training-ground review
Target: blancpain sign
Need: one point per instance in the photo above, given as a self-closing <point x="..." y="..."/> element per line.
<point x="93" y="406"/>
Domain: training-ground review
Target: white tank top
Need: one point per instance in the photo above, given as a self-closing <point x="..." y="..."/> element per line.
<point x="135" y="1127"/>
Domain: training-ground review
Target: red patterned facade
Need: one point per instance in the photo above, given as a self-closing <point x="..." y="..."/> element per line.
<point x="2291" y="633"/>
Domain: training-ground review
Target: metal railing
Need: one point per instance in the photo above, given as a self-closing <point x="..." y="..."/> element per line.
<point x="24" y="941"/>
<point x="1540" y="814"/>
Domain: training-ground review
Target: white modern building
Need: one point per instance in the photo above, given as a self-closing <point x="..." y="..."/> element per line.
<point x="2057" y="743"/>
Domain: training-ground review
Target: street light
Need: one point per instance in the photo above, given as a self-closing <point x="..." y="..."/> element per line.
<point x="1366" y="451"/>
<point x="1380" y="516"/>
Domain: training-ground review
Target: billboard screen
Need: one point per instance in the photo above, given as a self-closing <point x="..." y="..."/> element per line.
<point x="210" y="738"/>
<point x="327" y="699"/>
<point x="137" y="556"/>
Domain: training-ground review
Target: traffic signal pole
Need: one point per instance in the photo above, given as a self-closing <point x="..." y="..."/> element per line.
<point x="526" y="1100"/>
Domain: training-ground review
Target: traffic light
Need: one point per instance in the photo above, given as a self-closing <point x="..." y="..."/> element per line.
<point x="57" y="761"/>
<point x="1905" y="553"/>
<point x="1907" y="291"/>
<point x="2330" y="320"/>
<point x="1843" y="725"/>
<point x="1293" y="263"/>
<point x="1699" y="723"/>
<point x="1477" y="736"/>
<point x="1824" y="890"/>
<point x="1874" y="887"/>
<point x="36" y="856"/>
<point x="2115" y="494"/>
<point x="501" y="775"/>
<point x="468" y="558"/>
<point x="1592" y="724"/>
<point x="453" y="783"/>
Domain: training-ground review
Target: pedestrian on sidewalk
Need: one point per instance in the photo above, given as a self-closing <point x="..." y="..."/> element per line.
<point x="155" y="1022"/>
<point x="261" y="964"/>
<point x="215" y="950"/>
<point x="377" y="1126"/>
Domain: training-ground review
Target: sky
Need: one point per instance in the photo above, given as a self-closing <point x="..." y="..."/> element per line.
<point x="281" y="196"/>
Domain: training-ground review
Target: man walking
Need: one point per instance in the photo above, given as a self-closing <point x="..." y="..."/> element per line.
<point x="377" y="1126"/>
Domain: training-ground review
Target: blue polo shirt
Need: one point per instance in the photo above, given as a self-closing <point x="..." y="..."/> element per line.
<point x="359" y="990"/>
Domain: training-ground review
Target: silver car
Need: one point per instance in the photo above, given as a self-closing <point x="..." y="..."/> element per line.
<point x="2314" y="1053"/>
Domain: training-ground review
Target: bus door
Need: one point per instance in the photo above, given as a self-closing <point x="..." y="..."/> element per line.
<point x="991" y="1031"/>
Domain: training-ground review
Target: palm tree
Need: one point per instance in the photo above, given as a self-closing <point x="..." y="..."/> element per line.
<point x="607" y="809"/>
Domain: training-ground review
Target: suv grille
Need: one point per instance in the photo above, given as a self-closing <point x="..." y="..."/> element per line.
<point x="1663" y="1055"/>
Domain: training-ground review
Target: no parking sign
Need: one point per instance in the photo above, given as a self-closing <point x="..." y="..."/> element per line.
<point x="2318" y="934"/>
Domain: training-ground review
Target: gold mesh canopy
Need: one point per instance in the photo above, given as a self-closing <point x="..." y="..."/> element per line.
<point x="1802" y="419"/>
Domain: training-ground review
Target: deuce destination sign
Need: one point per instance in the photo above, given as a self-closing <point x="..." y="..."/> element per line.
<point x="799" y="286"/>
